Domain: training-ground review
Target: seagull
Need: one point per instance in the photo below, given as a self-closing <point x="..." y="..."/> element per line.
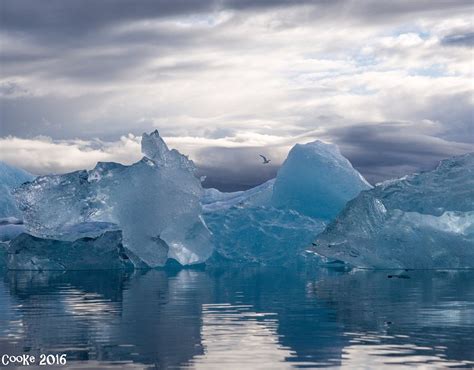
<point x="265" y="160"/>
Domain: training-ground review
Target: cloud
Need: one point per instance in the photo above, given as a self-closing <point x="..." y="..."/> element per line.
<point x="379" y="151"/>
<point x="42" y="155"/>
<point x="224" y="80"/>
<point x="83" y="16"/>
<point x="459" y="39"/>
<point x="393" y="149"/>
<point x="229" y="163"/>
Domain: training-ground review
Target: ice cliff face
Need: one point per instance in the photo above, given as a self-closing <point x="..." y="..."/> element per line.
<point x="104" y="252"/>
<point x="10" y="178"/>
<point x="424" y="220"/>
<point x="155" y="202"/>
<point x="262" y="235"/>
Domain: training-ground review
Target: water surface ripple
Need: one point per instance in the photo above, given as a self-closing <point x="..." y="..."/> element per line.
<point x="246" y="318"/>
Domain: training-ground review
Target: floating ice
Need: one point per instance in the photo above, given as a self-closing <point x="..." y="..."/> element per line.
<point x="424" y="220"/>
<point x="10" y="178"/>
<point x="276" y="221"/>
<point x="316" y="180"/>
<point x="3" y="255"/>
<point x="10" y="228"/>
<point x="263" y="235"/>
<point x="27" y="252"/>
<point x="155" y="202"/>
<point x="158" y="204"/>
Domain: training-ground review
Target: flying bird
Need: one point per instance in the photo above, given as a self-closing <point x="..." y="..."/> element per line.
<point x="265" y="160"/>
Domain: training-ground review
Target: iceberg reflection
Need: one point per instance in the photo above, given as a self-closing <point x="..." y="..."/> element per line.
<point x="235" y="318"/>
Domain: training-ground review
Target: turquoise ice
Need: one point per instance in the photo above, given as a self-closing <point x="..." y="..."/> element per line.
<point x="10" y="178"/>
<point x="275" y="222"/>
<point x="155" y="202"/>
<point x="424" y="220"/>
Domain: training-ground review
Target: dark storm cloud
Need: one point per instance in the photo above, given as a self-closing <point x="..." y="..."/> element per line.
<point x="82" y="17"/>
<point x="42" y="117"/>
<point x="376" y="10"/>
<point x="456" y="112"/>
<point x="231" y="169"/>
<point x="459" y="39"/>
<point x="100" y="57"/>
<point x="12" y="89"/>
<point x="60" y="117"/>
<point x="386" y="150"/>
<point x="86" y="16"/>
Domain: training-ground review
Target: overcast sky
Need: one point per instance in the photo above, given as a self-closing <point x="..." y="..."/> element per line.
<point x="390" y="82"/>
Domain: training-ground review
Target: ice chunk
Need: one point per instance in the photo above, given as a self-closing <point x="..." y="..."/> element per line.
<point x="214" y="200"/>
<point x="424" y="220"/>
<point x="155" y="202"/>
<point x="10" y="178"/>
<point x="263" y="235"/>
<point x="10" y="228"/>
<point x="275" y="222"/>
<point x="27" y="252"/>
<point x="316" y="180"/>
<point x="3" y="255"/>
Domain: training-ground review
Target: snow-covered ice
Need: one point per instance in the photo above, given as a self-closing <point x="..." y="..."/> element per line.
<point x="214" y="200"/>
<point x="155" y="202"/>
<point x="423" y="220"/>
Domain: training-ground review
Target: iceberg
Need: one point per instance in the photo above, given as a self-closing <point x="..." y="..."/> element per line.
<point x="163" y="213"/>
<point x="421" y="221"/>
<point x="154" y="202"/>
<point x="3" y="255"/>
<point x="274" y="223"/>
<point x="10" y="178"/>
<point x="27" y="252"/>
<point x="261" y="235"/>
<point x="10" y="228"/>
<point x="316" y="180"/>
<point x="213" y="200"/>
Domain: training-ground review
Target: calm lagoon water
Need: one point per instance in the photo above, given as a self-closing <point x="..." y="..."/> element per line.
<point x="246" y="318"/>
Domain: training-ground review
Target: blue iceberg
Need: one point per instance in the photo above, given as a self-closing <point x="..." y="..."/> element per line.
<point x="213" y="200"/>
<point x="421" y="221"/>
<point x="316" y="180"/>
<point x="156" y="210"/>
<point x="10" y="178"/>
<point x="104" y="252"/>
<point x="10" y="228"/>
<point x="154" y="202"/>
<point x="275" y="222"/>
<point x="261" y="235"/>
<point x="162" y="211"/>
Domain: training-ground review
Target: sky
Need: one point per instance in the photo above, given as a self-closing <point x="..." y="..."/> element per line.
<point x="390" y="82"/>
